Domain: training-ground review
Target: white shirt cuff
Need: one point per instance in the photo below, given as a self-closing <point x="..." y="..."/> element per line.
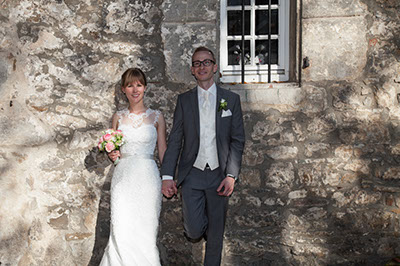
<point x="234" y="177"/>
<point x="167" y="177"/>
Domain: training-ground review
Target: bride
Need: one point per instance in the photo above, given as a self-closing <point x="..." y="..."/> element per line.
<point x="136" y="184"/>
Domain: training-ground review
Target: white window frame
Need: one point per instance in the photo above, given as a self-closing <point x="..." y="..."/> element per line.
<point x="255" y="73"/>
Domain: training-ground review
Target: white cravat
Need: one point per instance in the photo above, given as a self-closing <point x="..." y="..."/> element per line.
<point x="206" y="100"/>
<point x="208" y="145"/>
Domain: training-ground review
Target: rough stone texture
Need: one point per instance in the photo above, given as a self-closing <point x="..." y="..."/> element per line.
<point x="332" y="8"/>
<point x="320" y="177"/>
<point x="344" y="44"/>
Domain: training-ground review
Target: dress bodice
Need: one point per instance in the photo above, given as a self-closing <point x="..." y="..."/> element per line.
<point x="139" y="131"/>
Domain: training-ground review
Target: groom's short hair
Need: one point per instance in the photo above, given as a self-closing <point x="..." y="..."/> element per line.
<point x="203" y="49"/>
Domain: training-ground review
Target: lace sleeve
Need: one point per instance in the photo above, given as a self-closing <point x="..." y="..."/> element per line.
<point x="120" y="115"/>
<point x="157" y="115"/>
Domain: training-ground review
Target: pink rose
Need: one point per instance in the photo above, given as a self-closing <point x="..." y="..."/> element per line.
<point x="110" y="146"/>
<point x="101" y="139"/>
<point x="107" y="137"/>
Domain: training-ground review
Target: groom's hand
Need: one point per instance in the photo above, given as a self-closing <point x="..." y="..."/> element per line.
<point x="169" y="188"/>
<point x="228" y="184"/>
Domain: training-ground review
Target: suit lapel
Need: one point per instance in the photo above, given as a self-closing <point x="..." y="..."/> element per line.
<point x="218" y="114"/>
<point x="195" y="106"/>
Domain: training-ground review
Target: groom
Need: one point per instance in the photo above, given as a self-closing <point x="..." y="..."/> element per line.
<point x="207" y="137"/>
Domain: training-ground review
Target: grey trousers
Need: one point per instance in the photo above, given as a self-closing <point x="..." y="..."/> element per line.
<point x="204" y="211"/>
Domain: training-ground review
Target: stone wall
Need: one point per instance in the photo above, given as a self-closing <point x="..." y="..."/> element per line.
<point x="320" y="177"/>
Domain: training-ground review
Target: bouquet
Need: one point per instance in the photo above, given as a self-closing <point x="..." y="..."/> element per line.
<point x="111" y="140"/>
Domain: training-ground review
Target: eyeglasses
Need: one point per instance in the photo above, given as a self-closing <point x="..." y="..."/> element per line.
<point x="206" y="63"/>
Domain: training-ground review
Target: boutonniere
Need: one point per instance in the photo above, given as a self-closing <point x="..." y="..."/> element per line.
<point x="223" y="104"/>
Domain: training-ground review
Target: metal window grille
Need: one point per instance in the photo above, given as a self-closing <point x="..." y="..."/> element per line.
<point x="257" y="41"/>
<point x="269" y="40"/>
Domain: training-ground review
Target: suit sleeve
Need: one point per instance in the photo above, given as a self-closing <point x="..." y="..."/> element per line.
<point x="237" y="140"/>
<point x="175" y="139"/>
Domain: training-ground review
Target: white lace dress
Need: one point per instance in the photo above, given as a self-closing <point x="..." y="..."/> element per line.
<point x="135" y="194"/>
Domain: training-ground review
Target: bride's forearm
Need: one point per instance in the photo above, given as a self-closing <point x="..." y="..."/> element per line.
<point x="161" y="152"/>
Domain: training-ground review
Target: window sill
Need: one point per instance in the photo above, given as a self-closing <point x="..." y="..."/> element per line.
<point x="282" y="96"/>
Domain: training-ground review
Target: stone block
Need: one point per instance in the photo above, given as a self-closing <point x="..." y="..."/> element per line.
<point x="356" y="197"/>
<point x="265" y="130"/>
<point x="377" y="133"/>
<point x="258" y="96"/>
<point x="77" y="236"/>
<point x="344" y="152"/>
<point x="59" y="222"/>
<point x="180" y="41"/>
<point x="336" y="47"/>
<point x="203" y="10"/>
<point x="323" y="125"/>
<point x="359" y="166"/>
<point x="250" y="177"/>
<point x="393" y="173"/>
<point x="190" y="11"/>
<point x="280" y="176"/>
<point x="4" y="65"/>
<point x="331" y="8"/>
<point x="20" y="128"/>
<point x="282" y="153"/>
<point x="285" y="96"/>
<point x="310" y="175"/>
<point x="254" y="154"/>
<point x="312" y="100"/>
<point x="316" y="149"/>
<point x="175" y="10"/>
<point x="297" y="194"/>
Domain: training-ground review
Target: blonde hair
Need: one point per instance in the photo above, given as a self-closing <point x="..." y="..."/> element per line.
<point x="203" y="49"/>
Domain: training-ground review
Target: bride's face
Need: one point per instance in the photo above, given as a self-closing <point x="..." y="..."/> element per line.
<point x="134" y="91"/>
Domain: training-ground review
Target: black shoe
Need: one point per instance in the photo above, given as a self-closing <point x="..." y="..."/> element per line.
<point x="192" y="240"/>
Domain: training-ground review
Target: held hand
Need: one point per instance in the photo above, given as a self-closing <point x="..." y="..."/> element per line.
<point x="228" y="184"/>
<point x="169" y="188"/>
<point x="114" y="155"/>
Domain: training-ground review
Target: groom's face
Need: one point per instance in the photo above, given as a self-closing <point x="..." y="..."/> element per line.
<point x="203" y="73"/>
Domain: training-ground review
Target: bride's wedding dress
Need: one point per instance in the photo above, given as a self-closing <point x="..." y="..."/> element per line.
<point x="135" y="194"/>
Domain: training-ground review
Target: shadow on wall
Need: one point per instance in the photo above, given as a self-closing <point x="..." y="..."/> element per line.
<point x="316" y="189"/>
<point x="102" y="232"/>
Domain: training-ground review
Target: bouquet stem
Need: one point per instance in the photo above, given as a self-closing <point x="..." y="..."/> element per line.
<point x="116" y="161"/>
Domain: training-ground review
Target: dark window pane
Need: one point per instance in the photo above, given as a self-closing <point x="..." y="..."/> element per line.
<point x="238" y="2"/>
<point x="262" y="52"/>
<point x="262" y="22"/>
<point x="266" y="2"/>
<point x="235" y="23"/>
<point x="235" y="52"/>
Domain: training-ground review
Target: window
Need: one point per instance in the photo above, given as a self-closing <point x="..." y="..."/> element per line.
<point x="256" y="40"/>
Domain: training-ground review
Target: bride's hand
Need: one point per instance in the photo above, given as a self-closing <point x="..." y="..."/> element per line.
<point x="114" y="155"/>
<point x="169" y="188"/>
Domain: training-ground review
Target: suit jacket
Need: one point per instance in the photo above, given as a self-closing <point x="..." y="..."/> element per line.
<point x="184" y="139"/>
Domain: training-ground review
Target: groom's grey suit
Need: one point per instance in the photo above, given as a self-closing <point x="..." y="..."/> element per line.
<point x="198" y="186"/>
